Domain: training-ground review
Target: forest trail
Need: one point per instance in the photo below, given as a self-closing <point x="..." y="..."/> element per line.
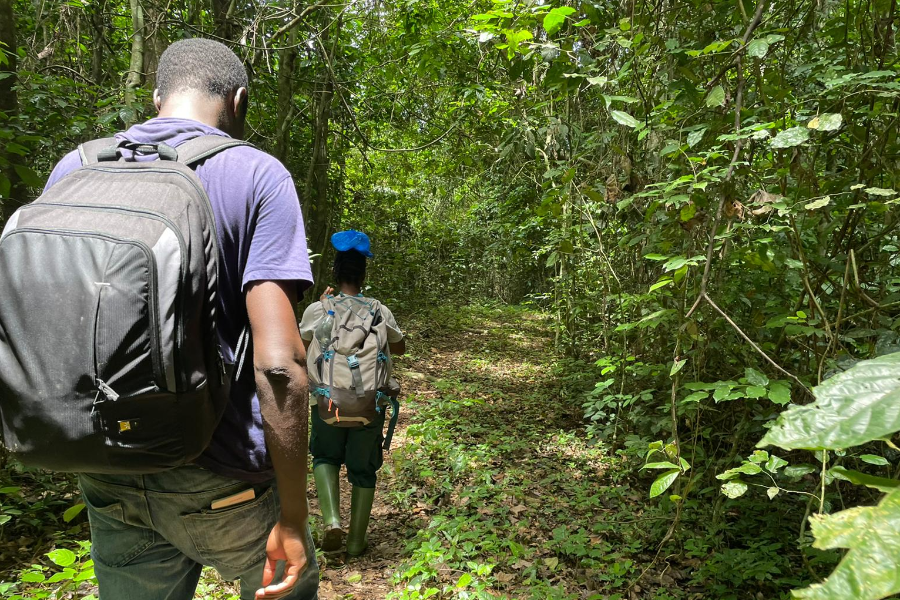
<point x="488" y="469"/>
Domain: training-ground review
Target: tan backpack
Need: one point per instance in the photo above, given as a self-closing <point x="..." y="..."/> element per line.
<point x="352" y="376"/>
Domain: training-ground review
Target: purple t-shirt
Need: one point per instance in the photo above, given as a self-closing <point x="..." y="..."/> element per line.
<point x="261" y="237"/>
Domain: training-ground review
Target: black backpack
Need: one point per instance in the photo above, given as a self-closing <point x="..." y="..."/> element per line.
<point x="109" y="356"/>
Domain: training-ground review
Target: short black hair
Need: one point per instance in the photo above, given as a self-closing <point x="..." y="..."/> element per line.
<point x="350" y="267"/>
<point x="200" y="65"/>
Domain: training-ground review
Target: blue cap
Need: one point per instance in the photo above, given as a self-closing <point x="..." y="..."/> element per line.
<point x="351" y="240"/>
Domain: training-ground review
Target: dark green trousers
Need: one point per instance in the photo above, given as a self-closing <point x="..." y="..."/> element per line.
<point x="358" y="447"/>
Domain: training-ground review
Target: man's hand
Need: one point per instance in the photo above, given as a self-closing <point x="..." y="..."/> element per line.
<point x="287" y="543"/>
<point x="329" y="291"/>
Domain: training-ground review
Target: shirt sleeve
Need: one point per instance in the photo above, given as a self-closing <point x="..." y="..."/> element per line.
<point x="278" y="244"/>
<point x="311" y="317"/>
<point x="69" y="163"/>
<point x="393" y="330"/>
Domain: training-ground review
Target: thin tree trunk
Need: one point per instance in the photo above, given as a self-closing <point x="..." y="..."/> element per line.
<point x="154" y="42"/>
<point x="221" y="18"/>
<point x="136" y="67"/>
<point x="9" y="104"/>
<point x="287" y="59"/>
<point x="98" y="27"/>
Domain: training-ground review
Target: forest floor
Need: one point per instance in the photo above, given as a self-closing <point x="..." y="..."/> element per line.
<point x="492" y="489"/>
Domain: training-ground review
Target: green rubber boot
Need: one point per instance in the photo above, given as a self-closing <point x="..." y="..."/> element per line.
<point x="329" y="492"/>
<point x="360" y="508"/>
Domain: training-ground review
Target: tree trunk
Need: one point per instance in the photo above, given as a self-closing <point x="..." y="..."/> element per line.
<point x="136" y="67"/>
<point x="98" y="28"/>
<point x="287" y="59"/>
<point x="9" y="104"/>
<point x="221" y="17"/>
<point x="316" y="198"/>
<point x="154" y="42"/>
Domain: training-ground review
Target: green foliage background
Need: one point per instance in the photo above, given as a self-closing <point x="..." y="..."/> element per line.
<point x="700" y="192"/>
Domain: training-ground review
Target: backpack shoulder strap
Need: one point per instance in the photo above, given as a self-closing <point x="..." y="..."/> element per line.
<point x="88" y="151"/>
<point x="195" y="150"/>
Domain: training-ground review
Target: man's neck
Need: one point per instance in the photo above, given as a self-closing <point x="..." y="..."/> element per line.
<point x="193" y="107"/>
<point x="349" y="290"/>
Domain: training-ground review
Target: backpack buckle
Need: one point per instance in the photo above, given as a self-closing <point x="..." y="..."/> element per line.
<point x="353" y="362"/>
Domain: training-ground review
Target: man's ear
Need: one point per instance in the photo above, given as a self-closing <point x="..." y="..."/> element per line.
<point x="240" y="103"/>
<point x="157" y="101"/>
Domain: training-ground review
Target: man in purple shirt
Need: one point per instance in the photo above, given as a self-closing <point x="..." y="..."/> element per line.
<point x="152" y="534"/>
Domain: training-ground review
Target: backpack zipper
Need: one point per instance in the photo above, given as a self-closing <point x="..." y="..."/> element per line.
<point x="179" y="321"/>
<point x="155" y="346"/>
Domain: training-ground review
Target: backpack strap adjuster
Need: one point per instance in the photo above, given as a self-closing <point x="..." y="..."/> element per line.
<point x="353" y="362"/>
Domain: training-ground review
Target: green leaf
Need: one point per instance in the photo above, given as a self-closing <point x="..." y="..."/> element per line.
<point x="660" y="465"/>
<point x="826" y="122"/>
<point x="797" y="471"/>
<point x="818" y="203"/>
<point x="869" y="570"/>
<point x="664" y="482"/>
<point x="677" y="366"/>
<point x="32" y="577"/>
<point x="748" y="468"/>
<point x="556" y="17"/>
<point x="756" y="391"/>
<point x="694" y="137"/>
<point x="754" y="377"/>
<point x="734" y="489"/>
<point x="759" y="457"/>
<point x="29" y="177"/>
<point x="874" y="191"/>
<point x="623" y="118"/>
<point x="659" y="284"/>
<point x="882" y="484"/>
<point x="774" y="463"/>
<point x="790" y="137"/>
<point x="696" y="397"/>
<point x="464" y="580"/>
<point x="758" y="48"/>
<point x="873" y="459"/>
<point x="851" y="408"/>
<point x="780" y="392"/>
<point x="72" y="512"/>
<point x="716" y="97"/>
<point x="772" y="492"/>
<point x="62" y="557"/>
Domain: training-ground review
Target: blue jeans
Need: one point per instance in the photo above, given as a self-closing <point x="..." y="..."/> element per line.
<point x="152" y="534"/>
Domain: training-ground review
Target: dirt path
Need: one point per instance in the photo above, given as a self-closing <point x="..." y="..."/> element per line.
<point x="489" y="366"/>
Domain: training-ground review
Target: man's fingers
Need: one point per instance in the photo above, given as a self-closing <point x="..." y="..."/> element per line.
<point x="269" y="571"/>
<point x="282" y="589"/>
<point x="279" y="590"/>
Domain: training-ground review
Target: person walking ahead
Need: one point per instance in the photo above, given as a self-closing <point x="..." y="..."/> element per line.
<point x="242" y="507"/>
<point x="356" y="438"/>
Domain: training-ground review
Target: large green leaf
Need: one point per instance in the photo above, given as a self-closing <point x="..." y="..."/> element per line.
<point x="556" y="17"/>
<point x="790" y="137"/>
<point x="716" y="97"/>
<point x="854" y="407"/>
<point x="871" y="569"/>
<point x="624" y="118"/>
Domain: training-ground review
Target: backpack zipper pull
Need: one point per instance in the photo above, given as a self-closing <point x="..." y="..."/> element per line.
<point x="106" y="390"/>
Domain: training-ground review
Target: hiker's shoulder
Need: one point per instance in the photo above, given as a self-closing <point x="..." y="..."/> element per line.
<point x="66" y="165"/>
<point x="249" y="157"/>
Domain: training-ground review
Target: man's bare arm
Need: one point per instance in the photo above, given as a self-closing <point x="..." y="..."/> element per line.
<point x="279" y="361"/>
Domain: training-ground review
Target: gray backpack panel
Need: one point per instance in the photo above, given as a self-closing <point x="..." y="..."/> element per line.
<point x="109" y="355"/>
<point x="352" y="379"/>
